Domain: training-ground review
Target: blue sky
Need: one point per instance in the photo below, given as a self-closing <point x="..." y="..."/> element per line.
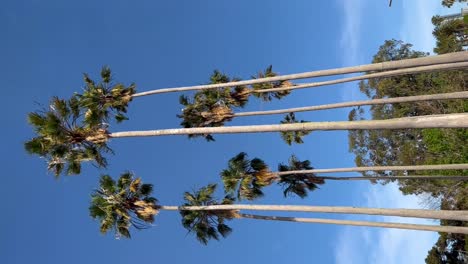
<point x="46" y="45"/>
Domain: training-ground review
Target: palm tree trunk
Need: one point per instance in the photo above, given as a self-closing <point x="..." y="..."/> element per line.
<point x="445" y="229"/>
<point x="461" y="166"/>
<point x="386" y="74"/>
<point x="431" y="121"/>
<point x="386" y="178"/>
<point x="458" y="215"/>
<point x="418" y="98"/>
<point x="461" y="56"/>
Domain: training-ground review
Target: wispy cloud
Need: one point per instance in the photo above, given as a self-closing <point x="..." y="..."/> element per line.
<point x="350" y="41"/>
<point x="386" y="246"/>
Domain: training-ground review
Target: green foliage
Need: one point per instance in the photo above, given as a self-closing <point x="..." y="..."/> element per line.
<point x="105" y="100"/>
<point x="64" y="139"/>
<point x="295" y="183"/>
<point x="418" y="146"/>
<point x="268" y="96"/>
<point x="213" y="107"/>
<point x="206" y="224"/>
<point x="451" y="35"/>
<point x="245" y="178"/>
<point x="123" y="204"/>
<point x="293" y="136"/>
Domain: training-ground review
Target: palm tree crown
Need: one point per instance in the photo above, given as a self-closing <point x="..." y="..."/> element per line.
<point x="293" y="136"/>
<point x="298" y="184"/>
<point x="207" y="224"/>
<point x="105" y="100"/>
<point x="64" y="139"/>
<point x="268" y="96"/>
<point x="212" y="108"/>
<point x="245" y="177"/>
<point x="122" y="204"/>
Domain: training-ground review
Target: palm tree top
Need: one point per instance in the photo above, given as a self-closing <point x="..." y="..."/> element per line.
<point x="207" y="224"/>
<point x="212" y="108"/>
<point x="245" y="177"/>
<point x="295" y="183"/>
<point x="64" y="138"/>
<point x="293" y="136"/>
<point x="104" y="100"/>
<point x="121" y="204"/>
<point x="268" y="96"/>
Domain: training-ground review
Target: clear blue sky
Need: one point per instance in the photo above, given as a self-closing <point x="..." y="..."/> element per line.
<point x="47" y="45"/>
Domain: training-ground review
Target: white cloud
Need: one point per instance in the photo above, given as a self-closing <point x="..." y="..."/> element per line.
<point x="417" y="26"/>
<point x="386" y="246"/>
<point x="350" y="41"/>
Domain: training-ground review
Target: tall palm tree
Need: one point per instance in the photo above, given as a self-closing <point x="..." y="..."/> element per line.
<point x="431" y="121"/>
<point x="66" y="138"/>
<point x="126" y="203"/>
<point x="200" y="112"/>
<point x="405" y="99"/>
<point x="382" y="66"/>
<point x="245" y="178"/>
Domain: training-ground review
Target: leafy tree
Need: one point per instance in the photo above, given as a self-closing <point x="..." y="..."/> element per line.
<point x="451" y="35"/>
<point x="425" y="146"/>
<point x="121" y="204"/>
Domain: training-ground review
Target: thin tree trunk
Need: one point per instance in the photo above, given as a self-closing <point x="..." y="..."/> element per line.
<point x="431" y="121"/>
<point x="445" y="229"/>
<point x="389" y="178"/>
<point x="386" y="74"/>
<point x="461" y="166"/>
<point x="441" y="96"/>
<point x="458" y="215"/>
<point x="461" y="56"/>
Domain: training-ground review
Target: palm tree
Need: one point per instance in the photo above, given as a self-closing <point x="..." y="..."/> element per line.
<point x="67" y="138"/>
<point x="245" y="178"/>
<point x="212" y="108"/>
<point x="405" y="99"/>
<point x="126" y="203"/>
<point x="454" y="57"/>
<point x="63" y="141"/>
<point x="122" y="204"/>
<point x="431" y="121"/>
